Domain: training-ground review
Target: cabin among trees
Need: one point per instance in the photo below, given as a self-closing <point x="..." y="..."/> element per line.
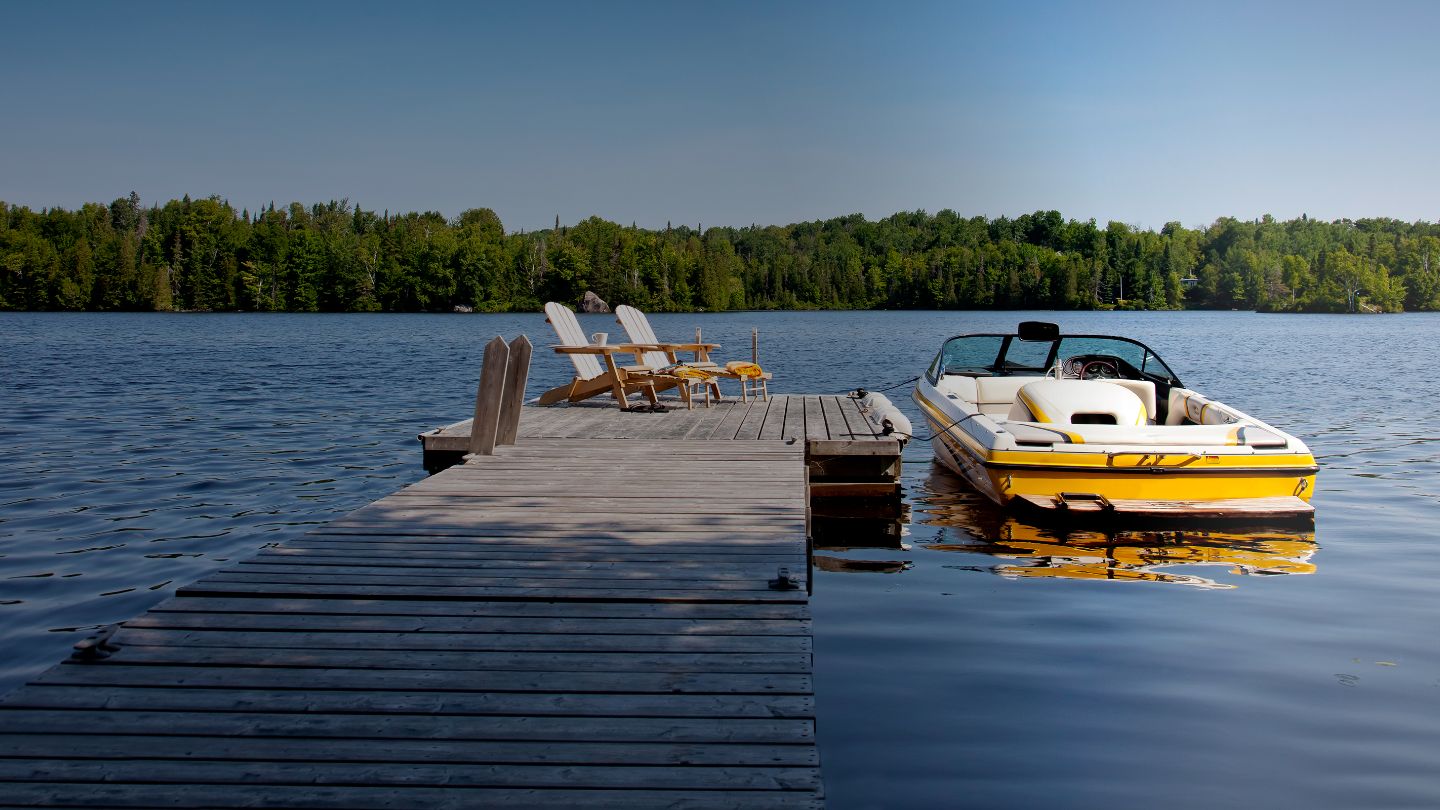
<point x="336" y="257"/>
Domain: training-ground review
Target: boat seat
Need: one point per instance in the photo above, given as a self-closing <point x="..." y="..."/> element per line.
<point x="1077" y="402"/>
<point x="1186" y="404"/>
<point x="1144" y="389"/>
<point x="995" y="395"/>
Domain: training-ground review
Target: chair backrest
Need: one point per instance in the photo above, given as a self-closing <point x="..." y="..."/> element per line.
<point x="568" y="330"/>
<point x="637" y="328"/>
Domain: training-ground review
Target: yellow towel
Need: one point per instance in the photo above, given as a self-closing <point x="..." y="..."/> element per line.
<point x="690" y="372"/>
<point x="744" y="369"/>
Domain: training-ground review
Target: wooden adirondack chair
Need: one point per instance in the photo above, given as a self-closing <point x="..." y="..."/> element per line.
<point x="658" y="354"/>
<point x="593" y="379"/>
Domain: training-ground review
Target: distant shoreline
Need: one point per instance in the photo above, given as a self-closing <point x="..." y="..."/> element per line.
<point x="203" y="255"/>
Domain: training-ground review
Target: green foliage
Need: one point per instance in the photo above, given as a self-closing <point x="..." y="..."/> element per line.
<point x="203" y="255"/>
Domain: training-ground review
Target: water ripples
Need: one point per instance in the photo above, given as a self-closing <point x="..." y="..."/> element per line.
<point x="981" y="663"/>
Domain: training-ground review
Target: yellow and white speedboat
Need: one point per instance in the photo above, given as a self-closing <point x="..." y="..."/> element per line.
<point x="1099" y="424"/>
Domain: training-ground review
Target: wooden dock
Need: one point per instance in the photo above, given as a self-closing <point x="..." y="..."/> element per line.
<point x="848" y="456"/>
<point x="562" y="624"/>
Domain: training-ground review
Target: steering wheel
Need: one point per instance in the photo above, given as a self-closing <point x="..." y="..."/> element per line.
<point x="1099" y="370"/>
<point x="1090" y="367"/>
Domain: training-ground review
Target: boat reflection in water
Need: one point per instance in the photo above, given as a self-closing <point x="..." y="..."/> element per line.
<point x="967" y="523"/>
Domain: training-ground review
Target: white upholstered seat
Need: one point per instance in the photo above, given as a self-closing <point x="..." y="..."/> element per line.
<point x="1070" y="401"/>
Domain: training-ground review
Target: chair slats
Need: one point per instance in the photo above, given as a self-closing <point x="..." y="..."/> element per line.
<point x="567" y="328"/>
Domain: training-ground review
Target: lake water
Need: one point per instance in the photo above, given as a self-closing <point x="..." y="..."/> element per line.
<point x="996" y="666"/>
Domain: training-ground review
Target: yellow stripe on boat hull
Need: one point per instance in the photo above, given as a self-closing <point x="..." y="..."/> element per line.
<point x="1130" y="475"/>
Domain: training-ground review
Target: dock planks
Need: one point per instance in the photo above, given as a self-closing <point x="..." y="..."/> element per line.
<point x="782" y="417"/>
<point x="564" y="624"/>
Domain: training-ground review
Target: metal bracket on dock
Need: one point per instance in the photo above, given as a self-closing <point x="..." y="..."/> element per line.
<point x="783" y="581"/>
<point x="96" y="646"/>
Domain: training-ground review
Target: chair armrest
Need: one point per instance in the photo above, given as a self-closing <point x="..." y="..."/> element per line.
<point x="669" y="347"/>
<point x="590" y="349"/>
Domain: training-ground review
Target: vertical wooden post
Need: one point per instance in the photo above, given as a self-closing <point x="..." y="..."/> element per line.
<point x="488" y="397"/>
<point x="755" y="345"/>
<point x="517" y="372"/>
<point x="809" y="531"/>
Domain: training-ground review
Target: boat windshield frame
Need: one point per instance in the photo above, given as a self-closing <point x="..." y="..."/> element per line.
<point x="1151" y="366"/>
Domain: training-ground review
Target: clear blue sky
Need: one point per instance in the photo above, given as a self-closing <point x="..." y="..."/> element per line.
<point x="728" y="114"/>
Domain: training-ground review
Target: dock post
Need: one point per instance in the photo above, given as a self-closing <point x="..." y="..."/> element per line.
<point x="488" y="397"/>
<point x="517" y="372"/>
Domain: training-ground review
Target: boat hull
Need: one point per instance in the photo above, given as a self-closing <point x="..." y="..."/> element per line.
<point x="1134" y="480"/>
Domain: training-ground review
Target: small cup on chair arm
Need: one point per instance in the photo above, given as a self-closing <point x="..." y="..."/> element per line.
<point x="600" y="338"/>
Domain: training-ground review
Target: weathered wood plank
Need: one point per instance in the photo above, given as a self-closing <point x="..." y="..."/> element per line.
<point x="725" y="428"/>
<point x="774" y="428"/>
<point x="544" y="533"/>
<point x="794" y="425"/>
<point x="861" y="427"/>
<point x="648" y="572"/>
<point x="542" y="539"/>
<point x="601" y="480"/>
<point x="470" y="642"/>
<point x="330" y="590"/>
<point x="506" y="625"/>
<point x="441" y="583"/>
<point x="437" y="513"/>
<point x="536" y="423"/>
<point x="450" y="774"/>
<point x="525" y="556"/>
<point x="517" y="372"/>
<point x="749" y="429"/>
<point x="413" y="727"/>
<point x="538" y="446"/>
<point x="856" y="489"/>
<point x="352" y="562"/>
<point x="484" y="427"/>
<point x="879" y="446"/>
<point x="620" y="480"/>
<point x="379" y="680"/>
<point x="485" y="503"/>
<point x="100" y="796"/>
<point x="471" y="547"/>
<point x="459" y="752"/>
<point x="547" y="610"/>
<point x="701" y="426"/>
<point x="832" y="406"/>
<point x="191" y="698"/>
<point x="792" y="663"/>
<point x="815" y="427"/>
<point x="778" y="466"/>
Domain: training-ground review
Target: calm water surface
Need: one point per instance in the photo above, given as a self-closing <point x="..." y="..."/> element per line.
<point x="998" y="665"/>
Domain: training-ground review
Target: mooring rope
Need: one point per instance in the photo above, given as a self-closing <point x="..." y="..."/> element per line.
<point x="860" y="392"/>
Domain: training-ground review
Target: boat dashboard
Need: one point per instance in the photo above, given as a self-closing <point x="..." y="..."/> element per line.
<point x="1038" y="349"/>
<point x="1080" y="357"/>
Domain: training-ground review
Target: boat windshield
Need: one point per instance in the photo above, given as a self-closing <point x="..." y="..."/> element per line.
<point x="986" y="355"/>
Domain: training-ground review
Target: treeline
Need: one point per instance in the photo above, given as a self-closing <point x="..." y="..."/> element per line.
<point x="204" y="255"/>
